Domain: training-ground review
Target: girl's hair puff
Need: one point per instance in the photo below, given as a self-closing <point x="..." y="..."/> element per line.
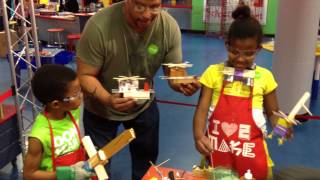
<point x="244" y="25"/>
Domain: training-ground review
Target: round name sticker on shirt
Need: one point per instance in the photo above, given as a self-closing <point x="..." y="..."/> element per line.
<point x="258" y="75"/>
<point x="153" y="49"/>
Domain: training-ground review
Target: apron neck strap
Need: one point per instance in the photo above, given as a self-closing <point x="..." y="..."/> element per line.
<point x="224" y="83"/>
<point x="52" y="136"/>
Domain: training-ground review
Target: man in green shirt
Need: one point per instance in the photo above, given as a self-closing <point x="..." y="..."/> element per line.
<point x="129" y="38"/>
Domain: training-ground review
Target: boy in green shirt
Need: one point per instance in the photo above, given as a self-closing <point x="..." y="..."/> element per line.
<point x="54" y="148"/>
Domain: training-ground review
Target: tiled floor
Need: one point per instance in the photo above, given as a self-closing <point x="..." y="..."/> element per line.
<point x="176" y="141"/>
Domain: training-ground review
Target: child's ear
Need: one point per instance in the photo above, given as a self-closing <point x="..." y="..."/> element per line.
<point x="55" y="104"/>
<point x="259" y="46"/>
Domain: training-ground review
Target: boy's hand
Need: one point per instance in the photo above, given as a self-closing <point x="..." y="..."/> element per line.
<point x="80" y="172"/>
<point x="74" y="172"/>
<point x="203" y="145"/>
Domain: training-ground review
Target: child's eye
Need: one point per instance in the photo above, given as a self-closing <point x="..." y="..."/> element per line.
<point x="235" y="52"/>
<point x="249" y="53"/>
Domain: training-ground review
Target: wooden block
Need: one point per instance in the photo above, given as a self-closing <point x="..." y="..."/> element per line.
<point x="179" y="81"/>
<point x="202" y="172"/>
<point x="109" y="150"/>
<point x="1" y="112"/>
<point x="118" y="143"/>
<point x="8" y="110"/>
<point x="177" y="72"/>
<point x="188" y="2"/>
<point x="3" y="42"/>
<point x="91" y="151"/>
<point x="137" y="94"/>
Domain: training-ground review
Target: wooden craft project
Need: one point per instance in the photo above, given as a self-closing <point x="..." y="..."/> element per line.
<point x="178" y="73"/>
<point x="128" y="86"/>
<point x="98" y="159"/>
<point x="281" y="129"/>
<point x="163" y="173"/>
<point x="245" y="76"/>
<point x="202" y="172"/>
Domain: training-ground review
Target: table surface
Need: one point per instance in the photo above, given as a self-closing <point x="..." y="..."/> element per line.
<point x="152" y="174"/>
<point x="57" y="17"/>
<point x="269" y="46"/>
<point x="46" y="52"/>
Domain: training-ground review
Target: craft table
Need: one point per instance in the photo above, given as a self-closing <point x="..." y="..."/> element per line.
<point x="152" y="174"/>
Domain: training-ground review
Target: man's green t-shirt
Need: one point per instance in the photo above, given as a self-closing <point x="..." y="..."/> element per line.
<point x="65" y="137"/>
<point x="109" y="44"/>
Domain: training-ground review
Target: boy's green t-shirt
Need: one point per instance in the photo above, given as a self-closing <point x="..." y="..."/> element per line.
<point x="65" y="137"/>
<point x="110" y="44"/>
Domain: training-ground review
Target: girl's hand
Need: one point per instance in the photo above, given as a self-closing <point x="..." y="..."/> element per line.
<point x="289" y="134"/>
<point x="203" y="145"/>
<point x="282" y="129"/>
<point x="284" y="123"/>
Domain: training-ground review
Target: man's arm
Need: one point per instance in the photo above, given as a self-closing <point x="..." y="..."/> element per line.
<point x="91" y="85"/>
<point x="174" y="55"/>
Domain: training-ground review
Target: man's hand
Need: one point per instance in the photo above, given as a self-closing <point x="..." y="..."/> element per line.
<point x="121" y="104"/>
<point x="190" y="88"/>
